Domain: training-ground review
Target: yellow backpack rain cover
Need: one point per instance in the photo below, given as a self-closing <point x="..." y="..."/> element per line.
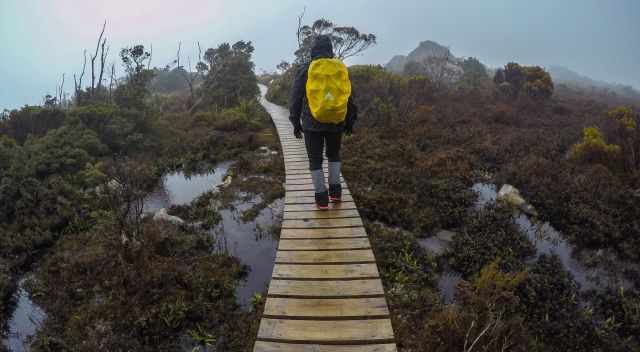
<point x="328" y="90"/>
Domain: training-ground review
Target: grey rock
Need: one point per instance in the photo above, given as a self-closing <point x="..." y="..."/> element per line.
<point x="162" y="215"/>
<point x="511" y="196"/>
<point x="446" y="235"/>
<point x="425" y="50"/>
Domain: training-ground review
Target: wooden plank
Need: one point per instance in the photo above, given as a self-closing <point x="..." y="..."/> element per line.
<point x="297" y="175"/>
<point x="311" y="199"/>
<point x="308" y="187"/>
<point x="266" y="346"/>
<point x="323" y="223"/>
<point x="326" y="331"/>
<point x="309" y="288"/>
<point x="300" y="165"/>
<point x="308" y="207"/>
<point x="306" y="173"/>
<point x="298" y="169"/>
<point x="323" y="232"/>
<point x="326" y="307"/>
<point x="325" y="257"/>
<point x="305" y="181"/>
<point x="320" y="214"/>
<point x="323" y="244"/>
<point x="309" y="193"/>
<point x="325" y="272"/>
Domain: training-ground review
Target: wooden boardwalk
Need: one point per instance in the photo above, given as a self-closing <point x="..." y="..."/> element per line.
<point x="325" y="293"/>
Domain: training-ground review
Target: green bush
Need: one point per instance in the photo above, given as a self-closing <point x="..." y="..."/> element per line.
<point x="550" y="302"/>
<point x="594" y="149"/>
<point x="165" y="283"/>
<point x="280" y="86"/>
<point x="488" y="235"/>
<point x="533" y="81"/>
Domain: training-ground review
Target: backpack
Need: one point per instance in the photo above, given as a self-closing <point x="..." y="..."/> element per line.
<point x="328" y="90"/>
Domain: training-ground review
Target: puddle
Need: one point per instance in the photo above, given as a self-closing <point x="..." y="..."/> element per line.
<point x="447" y="283"/>
<point x="433" y="245"/>
<point x="253" y="247"/>
<point x="178" y="189"/>
<point x="547" y="240"/>
<point x="242" y="240"/>
<point x="487" y="193"/>
<point x="24" y="322"/>
<point x="245" y="241"/>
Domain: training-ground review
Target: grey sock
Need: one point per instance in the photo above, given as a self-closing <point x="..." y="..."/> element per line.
<point x="334" y="172"/>
<point x="317" y="176"/>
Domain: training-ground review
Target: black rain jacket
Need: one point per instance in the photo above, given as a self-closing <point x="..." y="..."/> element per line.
<point x="299" y="107"/>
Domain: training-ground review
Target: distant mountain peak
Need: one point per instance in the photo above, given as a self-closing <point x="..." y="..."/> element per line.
<point x="426" y="49"/>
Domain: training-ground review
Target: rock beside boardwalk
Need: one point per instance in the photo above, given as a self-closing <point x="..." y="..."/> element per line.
<point x="511" y="195"/>
<point x="162" y="215"/>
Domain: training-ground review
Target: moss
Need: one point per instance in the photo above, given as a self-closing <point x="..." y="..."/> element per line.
<point x="486" y="236"/>
<point x="549" y="301"/>
<point x="620" y="311"/>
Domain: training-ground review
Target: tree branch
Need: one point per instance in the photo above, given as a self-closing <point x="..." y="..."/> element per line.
<point x="299" y="32"/>
<point x="103" y="57"/>
<point x="93" y="58"/>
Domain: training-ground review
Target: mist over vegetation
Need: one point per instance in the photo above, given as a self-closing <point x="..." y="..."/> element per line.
<point x="75" y="172"/>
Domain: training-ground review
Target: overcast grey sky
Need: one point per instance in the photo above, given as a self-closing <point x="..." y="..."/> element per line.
<point x="41" y="39"/>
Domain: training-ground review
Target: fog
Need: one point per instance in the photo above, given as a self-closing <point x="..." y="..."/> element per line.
<point x="41" y="40"/>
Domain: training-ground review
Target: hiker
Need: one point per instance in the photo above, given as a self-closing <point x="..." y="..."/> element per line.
<point x="322" y="107"/>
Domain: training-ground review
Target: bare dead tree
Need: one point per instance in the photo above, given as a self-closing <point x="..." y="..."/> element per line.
<point x="95" y="55"/>
<point x="299" y="31"/>
<point x="113" y="80"/>
<point x="60" y="91"/>
<point x="150" y="56"/>
<point x="78" y="83"/>
<point x="188" y="77"/>
<point x="103" y="58"/>
<point x="178" y="54"/>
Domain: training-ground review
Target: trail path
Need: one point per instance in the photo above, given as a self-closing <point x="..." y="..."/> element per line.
<point x="325" y="293"/>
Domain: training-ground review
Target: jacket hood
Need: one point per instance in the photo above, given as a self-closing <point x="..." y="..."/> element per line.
<point x="321" y="47"/>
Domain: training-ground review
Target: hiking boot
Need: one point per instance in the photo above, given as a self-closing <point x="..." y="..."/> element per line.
<point x="335" y="193"/>
<point x="322" y="200"/>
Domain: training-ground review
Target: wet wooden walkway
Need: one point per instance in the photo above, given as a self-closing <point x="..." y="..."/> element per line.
<point x="325" y="293"/>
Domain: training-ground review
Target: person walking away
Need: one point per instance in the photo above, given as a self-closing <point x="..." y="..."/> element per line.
<point x="321" y="106"/>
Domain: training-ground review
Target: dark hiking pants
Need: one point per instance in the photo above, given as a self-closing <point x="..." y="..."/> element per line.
<point x="315" y="143"/>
